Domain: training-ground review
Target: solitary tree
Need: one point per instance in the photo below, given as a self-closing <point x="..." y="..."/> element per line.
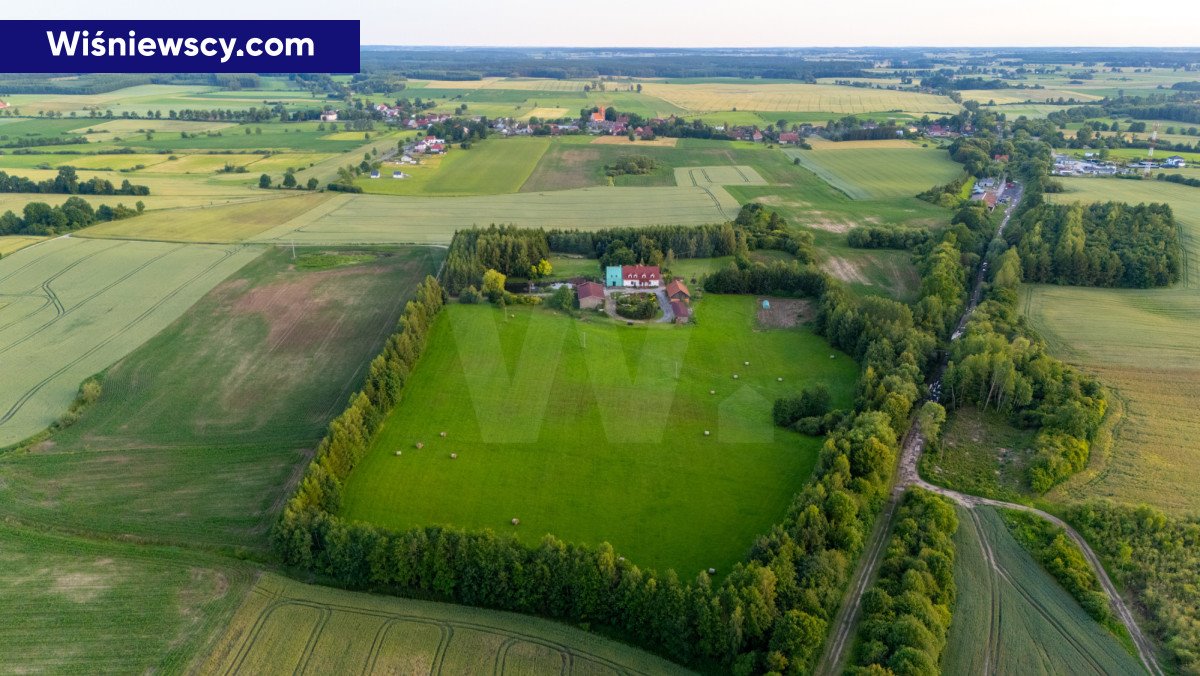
<point x="264" y="181"/>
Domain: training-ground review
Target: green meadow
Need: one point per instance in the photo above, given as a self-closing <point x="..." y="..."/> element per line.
<point x="595" y="431"/>
<point x="878" y="169"/>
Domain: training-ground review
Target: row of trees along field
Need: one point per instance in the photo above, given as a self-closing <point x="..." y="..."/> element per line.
<point x="1156" y="558"/>
<point x="39" y="218"/>
<point x="67" y="183"/>
<point x="514" y="251"/>
<point x="1107" y="244"/>
<point x="1062" y="558"/>
<point x="769" y="614"/>
<point x="906" y="613"/>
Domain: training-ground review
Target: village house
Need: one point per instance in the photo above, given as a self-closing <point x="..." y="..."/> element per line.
<point x="640" y="276"/>
<point x="789" y="137"/>
<point x="591" y="295"/>
<point x="329" y="116"/>
<point x="612" y="276"/>
<point x="1175" y="162"/>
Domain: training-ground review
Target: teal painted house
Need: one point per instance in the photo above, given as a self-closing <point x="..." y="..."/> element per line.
<point x="612" y="276"/>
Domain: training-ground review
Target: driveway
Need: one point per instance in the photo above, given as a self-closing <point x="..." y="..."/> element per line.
<point x="664" y="303"/>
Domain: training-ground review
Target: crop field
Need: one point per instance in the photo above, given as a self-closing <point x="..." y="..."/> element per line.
<point x="197" y="432"/>
<point x="558" y="444"/>
<point x="227" y="221"/>
<point x="572" y="164"/>
<point x="1037" y="96"/>
<point x="157" y="126"/>
<point x="105" y="162"/>
<point x="721" y="96"/>
<point x="718" y="176"/>
<point x="287" y="627"/>
<point x="75" y="306"/>
<point x="352" y="219"/>
<point x="142" y="98"/>
<point x="79" y="606"/>
<point x="13" y="243"/>
<point x="491" y="167"/>
<point x="878" y="169"/>
<point x="1011" y="617"/>
<point x="659" y="142"/>
<point x="1144" y="343"/>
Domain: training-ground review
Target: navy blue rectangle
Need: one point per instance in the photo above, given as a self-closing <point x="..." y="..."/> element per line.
<point x="303" y="46"/>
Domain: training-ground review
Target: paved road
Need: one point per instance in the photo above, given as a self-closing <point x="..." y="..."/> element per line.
<point x="836" y="648"/>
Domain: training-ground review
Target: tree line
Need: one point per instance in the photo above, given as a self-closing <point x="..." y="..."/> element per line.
<point x="67" y="183"/>
<point x="906" y="613"/>
<point x="1107" y="244"/>
<point x="1156" y="558"/>
<point x="769" y="614"/>
<point x="1062" y="558"/>
<point x="39" y="218"/>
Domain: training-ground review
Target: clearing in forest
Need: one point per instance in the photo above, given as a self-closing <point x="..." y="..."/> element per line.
<point x="539" y="409"/>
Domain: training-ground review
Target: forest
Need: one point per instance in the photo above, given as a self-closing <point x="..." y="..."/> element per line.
<point x="1156" y="558"/>
<point x="1107" y="244"/>
<point x="906" y="613"/>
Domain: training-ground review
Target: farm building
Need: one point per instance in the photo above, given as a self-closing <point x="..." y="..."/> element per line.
<point x="676" y="290"/>
<point x="329" y="116"/>
<point x="375" y="174"/>
<point x="591" y="295"/>
<point x="612" y="275"/>
<point x="789" y="137"/>
<point x="638" y="276"/>
<point x="1175" y="162"/>
<point x="681" y="311"/>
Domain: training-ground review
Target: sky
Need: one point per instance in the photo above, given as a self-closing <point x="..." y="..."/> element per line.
<point x="693" y="23"/>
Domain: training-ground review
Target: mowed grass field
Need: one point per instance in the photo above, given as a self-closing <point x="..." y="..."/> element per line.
<point x="353" y="219"/>
<point x="71" y="307"/>
<point x="594" y="431"/>
<point x="1011" y="617"/>
<point x="490" y="167"/>
<point x="1145" y="344"/>
<point x="878" y="169"/>
<point x="198" y="432"/>
<point x="286" y="627"/>
<point x="79" y="606"/>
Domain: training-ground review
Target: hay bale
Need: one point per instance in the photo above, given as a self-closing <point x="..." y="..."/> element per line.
<point x="735" y="376"/>
<point x="712" y="571"/>
<point x="516" y="522"/>
<point x="443" y="434"/>
<point x="706" y="433"/>
<point x="399" y="452"/>
<point x="779" y="379"/>
<point x="454" y="456"/>
<point x="420" y="445"/>
<point x="712" y="391"/>
<point x="747" y="363"/>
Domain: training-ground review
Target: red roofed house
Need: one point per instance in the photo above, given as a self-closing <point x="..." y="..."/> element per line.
<point x="789" y="137"/>
<point x="676" y="290"/>
<point x="640" y="276"/>
<point x="591" y="295"/>
<point x="598" y="116"/>
<point x="681" y="310"/>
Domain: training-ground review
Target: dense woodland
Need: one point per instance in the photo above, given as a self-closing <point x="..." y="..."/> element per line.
<point x="1109" y="244"/>
<point x="1156" y="558"/>
<point x="906" y="613"/>
<point x="67" y="183"/>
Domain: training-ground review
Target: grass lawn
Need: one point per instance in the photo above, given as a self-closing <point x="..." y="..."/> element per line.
<point x="539" y="409"/>
<point x="198" y="431"/>
<point x="490" y="167"/>
<point x="285" y="627"/>
<point x="73" y="605"/>
<point x="1011" y="617"/>
<point x="878" y="169"/>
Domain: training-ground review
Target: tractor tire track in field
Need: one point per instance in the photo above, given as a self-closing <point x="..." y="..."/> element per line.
<point x="326" y="611"/>
<point x="992" y="652"/>
<point x="834" y="656"/>
<point x="24" y="398"/>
